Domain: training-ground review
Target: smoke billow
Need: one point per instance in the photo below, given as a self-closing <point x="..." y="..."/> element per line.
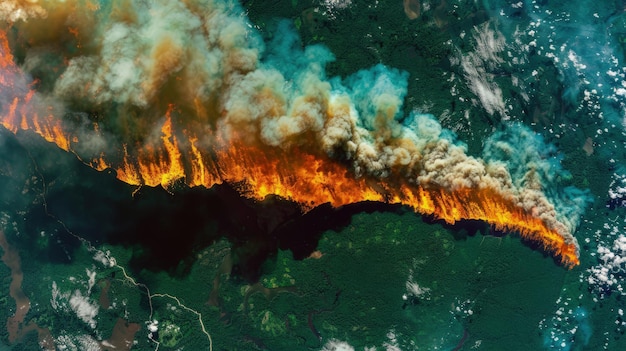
<point x="16" y="10"/>
<point x="536" y="167"/>
<point x="124" y="66"/>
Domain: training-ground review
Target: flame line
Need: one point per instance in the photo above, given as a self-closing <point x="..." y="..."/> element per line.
<point x="301" y="176"/>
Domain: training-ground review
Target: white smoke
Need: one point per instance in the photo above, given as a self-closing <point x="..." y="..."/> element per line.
<point x="205" y="58"/>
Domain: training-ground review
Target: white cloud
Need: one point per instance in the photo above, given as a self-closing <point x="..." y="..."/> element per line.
<point x="84" y="309"/>
<point x="337" y="345"/>
<point x="75" y="302"/>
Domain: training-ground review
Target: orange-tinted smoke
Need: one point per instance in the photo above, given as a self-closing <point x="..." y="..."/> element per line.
<point x="305" y="175"/>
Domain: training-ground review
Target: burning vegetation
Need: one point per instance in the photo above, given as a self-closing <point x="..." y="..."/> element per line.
<point x="191" y="94"/>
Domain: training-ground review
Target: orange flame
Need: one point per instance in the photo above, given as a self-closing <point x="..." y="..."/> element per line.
<point x="307" y="178"/>
<point x="164" y="169"/>
<point x="6" y="58"/>
<point x="312" y="180"/>
<point x="20" y="115"/>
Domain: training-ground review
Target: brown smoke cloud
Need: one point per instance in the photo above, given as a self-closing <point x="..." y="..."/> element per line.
<point x="132" y="67"/>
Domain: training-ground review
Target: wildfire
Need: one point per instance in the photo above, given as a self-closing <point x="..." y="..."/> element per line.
<point x="307" y="177"/>
<point x="164" y="169"/>
<point x="20" y="115"/>
<point x="6" y="59"/>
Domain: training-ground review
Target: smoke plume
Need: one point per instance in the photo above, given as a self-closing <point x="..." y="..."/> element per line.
<point x="161" y="90"/>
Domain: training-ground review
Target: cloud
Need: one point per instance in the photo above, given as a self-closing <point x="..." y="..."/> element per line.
<point x="75" y="302"/>
<point x="478" y="67"/>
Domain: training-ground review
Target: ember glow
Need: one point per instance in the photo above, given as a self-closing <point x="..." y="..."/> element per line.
<point x="191" y="93"/>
